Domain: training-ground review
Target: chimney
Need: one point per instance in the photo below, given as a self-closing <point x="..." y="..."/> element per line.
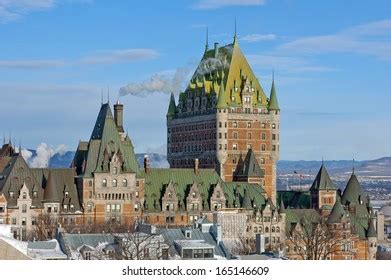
<point x="147" y="165"/>
<point x="216" y="49"/>
<point x="196" y="166"/>
<point x="119" y="115"/>
<point x="219" y="233"/>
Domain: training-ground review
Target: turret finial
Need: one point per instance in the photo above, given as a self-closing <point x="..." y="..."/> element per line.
<point x="207" y="39"/>
<point x="235" y="34"/>
<point x="353" y="165"/>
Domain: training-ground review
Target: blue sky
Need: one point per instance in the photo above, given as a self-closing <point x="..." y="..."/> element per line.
<point x="332" y="62"/>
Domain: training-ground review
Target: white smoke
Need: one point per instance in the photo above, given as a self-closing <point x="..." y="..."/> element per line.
<point x="211" y="65"/>
<point x="158" y="83"/>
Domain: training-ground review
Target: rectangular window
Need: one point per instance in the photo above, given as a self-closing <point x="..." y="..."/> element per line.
<point x="23" y="221"/>
<point x="2" y="208"/>
<point x="24" y="208"/>
<point x="118" y="207"/>
<point x="72" y="207"/>
<point x="234" y="146"/>
<point x="35" y="194"/>
<point x="13" y="220"/>
<point x="108" y="207"/>
<point x="65" y="208"/>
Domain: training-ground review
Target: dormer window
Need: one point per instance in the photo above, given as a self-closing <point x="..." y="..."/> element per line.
<point x="72" y="207"/>
<point x="114" y="183"/>
<point x="24" y="195"/>
<point x="104" y="183"/>
<point x="65" y="208"/>
<point x="124" y="183"/>
<point x="169" y="195"/>
<point x="66" y="194"/>
<point x="35" y="194"/>
<point x="12" y="194"/>
<point x="115" y="170"/>
<point x="193" y="194"/>
<point x="218" y="194"/>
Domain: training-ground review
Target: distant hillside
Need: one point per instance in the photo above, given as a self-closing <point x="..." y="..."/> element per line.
<point x="376" y="167"/>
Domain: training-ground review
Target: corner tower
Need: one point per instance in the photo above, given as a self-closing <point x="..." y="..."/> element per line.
<point x="222" y="114"/>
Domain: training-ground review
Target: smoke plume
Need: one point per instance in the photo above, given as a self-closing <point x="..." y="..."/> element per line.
<point x="158" y="83"/>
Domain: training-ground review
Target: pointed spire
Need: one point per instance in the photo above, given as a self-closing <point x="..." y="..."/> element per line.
<point x="171" y="107"/>
<point x="221" y="103"/>
<point x="353" y="166"/>
<point x="337" y="212"/>
<point x="235" y="34"/>
<point x="207" y="39"/>
<point x="273" y="103"/>
<point x="282" y="206"/>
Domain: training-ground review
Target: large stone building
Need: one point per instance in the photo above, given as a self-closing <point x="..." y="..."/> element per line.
<point x="222" y="114"/>
<point x="324" y="223"/>
<point x="29" y="195"/>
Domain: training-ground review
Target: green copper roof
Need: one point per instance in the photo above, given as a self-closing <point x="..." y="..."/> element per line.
<point x="104" y="142"/>
<point x="322" y="180"/>
<point x="246" y="203"/>
<point x="355" y="195"/>
<point x="294" y="199"/>
<point x="221" y="103"/>
<point x="305" y="217"/>
<point x="337" y="213"/>
<point x="227" y="64"/>
<point x="249" y="167"/>
<point x="172" y="107"/>
<point x="51" y="190"/>
<point x="273" y="103"/>
<point x="157" y="179"/>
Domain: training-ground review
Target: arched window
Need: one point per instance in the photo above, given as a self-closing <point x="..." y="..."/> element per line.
<point x="255" y="229"/>
<point x="104" y="183"/>
<point x="115" y="170"/>
<point x="124" y="183"/>
<point x="114" y="182"/>
<point x="277" y="229"/>
<point x="263" y="147"/>
<point x="273" y="229"/>
<point x="24" y="195"/>
<point x="273" y="125"/>
<point x="266" y="229"/>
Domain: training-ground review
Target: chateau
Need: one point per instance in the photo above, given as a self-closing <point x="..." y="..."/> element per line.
<point x="222" y="114"/>
<point x="222" y="146"/>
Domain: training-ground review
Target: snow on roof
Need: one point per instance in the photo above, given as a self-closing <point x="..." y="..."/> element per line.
<point x="7" y="236"/>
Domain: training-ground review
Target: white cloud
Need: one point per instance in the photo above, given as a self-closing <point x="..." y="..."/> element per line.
<point x="373" y="39"/>
<point x="251" y="38"/>
<point x="215" y="4"/>
<point x="31" y="64"/>
<point x="98" y="57"/>
<point x="11" y="10"/>
<point x="43" y="154"/>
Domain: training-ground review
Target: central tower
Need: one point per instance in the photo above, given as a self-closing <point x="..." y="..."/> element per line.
<point x="222" y="114"/>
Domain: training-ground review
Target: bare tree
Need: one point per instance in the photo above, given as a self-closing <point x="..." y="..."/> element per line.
<point x="313" y="240"/>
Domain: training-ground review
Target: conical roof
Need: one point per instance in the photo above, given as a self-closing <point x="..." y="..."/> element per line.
<point x="273" y="103"/>
<point x="250" y="166"/>
<point x="51" y="193"/>
<point x="246" y="203"/>
<point x="221" y="103"/>
<point x="322" y="180"/>
<point x="171" y="107"/>
<point x="282" y="207"/>
<point x="337" y="212"/>
<point x="355" y="195"/>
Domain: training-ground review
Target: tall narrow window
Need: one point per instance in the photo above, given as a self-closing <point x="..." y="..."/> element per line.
<point x="104" y="183"/>
<point x="114" y="183"/>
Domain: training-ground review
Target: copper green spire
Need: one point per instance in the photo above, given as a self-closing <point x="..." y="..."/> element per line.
<point x="172" y="106"/>
<point x="235" y="35"/>
<point x="207" y="39"/>
<point x="273" y="103"/>
<point x="221" y="103"/>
